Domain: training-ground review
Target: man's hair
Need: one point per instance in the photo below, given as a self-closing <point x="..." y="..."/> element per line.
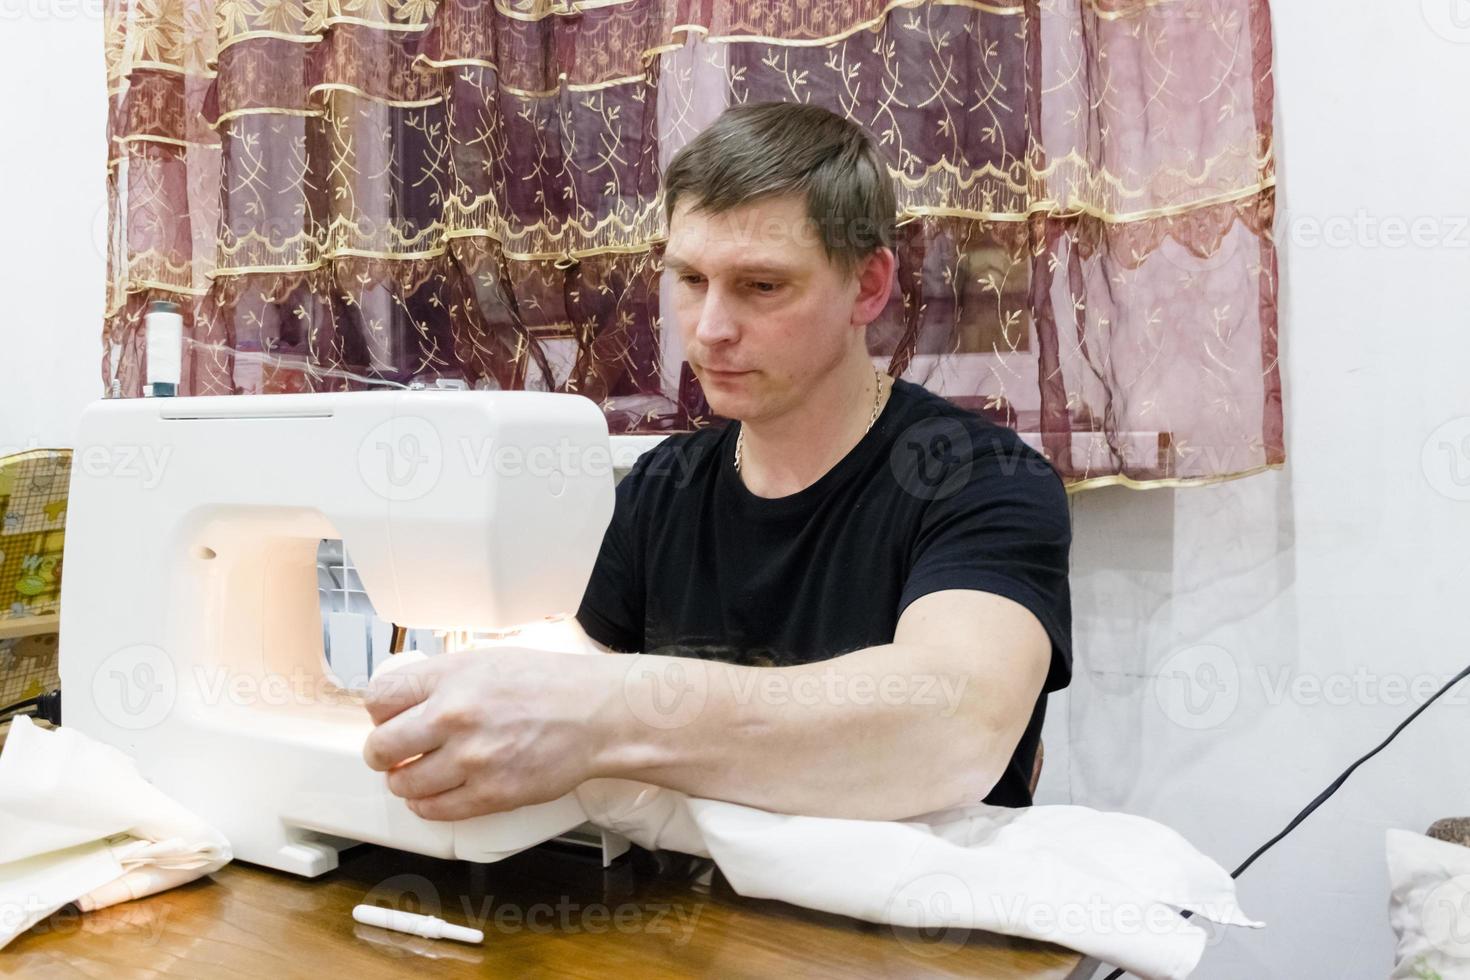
<point x="769" y="149"/>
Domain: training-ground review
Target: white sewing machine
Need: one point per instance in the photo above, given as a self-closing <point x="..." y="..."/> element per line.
<point x="191" y="631"/>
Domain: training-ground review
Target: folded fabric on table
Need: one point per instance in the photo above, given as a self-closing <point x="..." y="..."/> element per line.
<point x="81" y="824"/>
<point x="1106" y="884"/>
<point x="78" y="823"/>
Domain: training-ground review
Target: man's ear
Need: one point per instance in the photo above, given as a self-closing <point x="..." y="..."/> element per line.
<point x="875" y="283"/>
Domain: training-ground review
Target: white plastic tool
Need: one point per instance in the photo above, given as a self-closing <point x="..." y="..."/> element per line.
<point x="427" y="926"/>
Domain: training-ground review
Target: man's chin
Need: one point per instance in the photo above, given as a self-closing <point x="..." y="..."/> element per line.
<point x="726" y="407"/>
<point x="729" y="396"/>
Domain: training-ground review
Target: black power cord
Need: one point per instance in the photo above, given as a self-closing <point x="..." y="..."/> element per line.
<point x="47" y="707"/>
<point x="1335" y="785"/>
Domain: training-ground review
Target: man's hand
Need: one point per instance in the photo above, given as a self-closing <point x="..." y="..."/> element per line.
<point x="482" y="731"/>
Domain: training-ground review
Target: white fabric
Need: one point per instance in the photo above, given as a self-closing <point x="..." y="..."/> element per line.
<point x="1429" y="906"/>
<point x="79" y="824"/>
<point x="1104" y="884"/>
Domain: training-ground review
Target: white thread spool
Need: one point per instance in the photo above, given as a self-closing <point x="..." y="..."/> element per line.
<point x="165" y="327"/>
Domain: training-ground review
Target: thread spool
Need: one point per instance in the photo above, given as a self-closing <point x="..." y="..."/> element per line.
<point x="165" y="329"/>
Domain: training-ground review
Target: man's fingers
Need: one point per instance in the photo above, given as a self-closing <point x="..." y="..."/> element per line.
<point x="456" y="804"/>
<point x="393" y="691"/>
<point x="429" y="775"/>
<point x="399" y="738"/>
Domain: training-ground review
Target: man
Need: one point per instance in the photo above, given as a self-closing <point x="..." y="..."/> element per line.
<point x="848" y="602"/>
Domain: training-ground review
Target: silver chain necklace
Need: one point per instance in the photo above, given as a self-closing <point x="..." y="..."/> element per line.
<point x="877" y="402"/>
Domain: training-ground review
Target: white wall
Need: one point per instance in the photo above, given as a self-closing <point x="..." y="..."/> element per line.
<point x="1341" y="571"/>
<point x="53" y="213"/>
<point x="1320" y="596"/>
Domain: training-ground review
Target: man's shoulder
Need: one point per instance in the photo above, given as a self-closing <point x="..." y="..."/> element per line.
<point x="934" y="423"/>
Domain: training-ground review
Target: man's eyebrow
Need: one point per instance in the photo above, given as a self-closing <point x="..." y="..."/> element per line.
<point x="769" y="269"/>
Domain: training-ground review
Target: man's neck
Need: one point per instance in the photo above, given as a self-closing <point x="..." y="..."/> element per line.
<point x="788" y="453"/>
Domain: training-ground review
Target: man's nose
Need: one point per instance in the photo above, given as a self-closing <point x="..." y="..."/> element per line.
<point x="717" y="321"/>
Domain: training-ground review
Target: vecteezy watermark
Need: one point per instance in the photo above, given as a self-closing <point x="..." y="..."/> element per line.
<point x="135" y="688"/>
<point x="1446" y="459"/>
<point x="933" y="458"/>
<point x="748" y="228"/>
<point x="1449" y="19"/>
<point x="1095" y="916"/>
<point x="14" y="914"/>
<point x="1445" y="917"/>
<point x="671" y="692"/>
<point x="1364" y="229"/>
<point x="566" y="915"/>
<point x="146" y="920"/>
<point x="402" y="458"/>
<point x="37" y="10"/>
<point x="1200" y="687"/>
<point x="677" y="920"/>
<point x="932" y="915"/>
<point x="665" y="692"/>
<point x="146" y="465"/>
<point x="1358" y="687"/>
<point x="834" y="687"/>
<point x="403" y="893"/>
<point x="298" y="687"/>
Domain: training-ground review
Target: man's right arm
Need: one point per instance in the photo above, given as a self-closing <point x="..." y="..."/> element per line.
<point x="585" y="643"/>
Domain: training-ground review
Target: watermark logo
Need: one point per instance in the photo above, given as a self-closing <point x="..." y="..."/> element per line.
<point x="405" y="893"/>
<point x="932" y="458"/>
<point x="1446" y="916"/>
<point x="1363" y="229"/>
<point x="135" y="687"/>
<point x="145" y="465"/>
<point x="1198" y="687"/>
<point x="665" y="692"/>
<point x="932" y="914"/>
<point x="43" y="10"/>
<point x="675" y="920"/>
<point x="1446" y="459"/>
<point x="401" y="459"/>
<point x="1448" y="19"/>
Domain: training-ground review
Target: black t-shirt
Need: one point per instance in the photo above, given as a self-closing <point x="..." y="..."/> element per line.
<point x="934" y="497"/>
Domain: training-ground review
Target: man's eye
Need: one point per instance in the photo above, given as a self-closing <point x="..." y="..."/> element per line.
<point x="691" y="278"/>
<point x="765" y="287"/>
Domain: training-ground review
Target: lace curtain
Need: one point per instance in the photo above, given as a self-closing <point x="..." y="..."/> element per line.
<point x="345" y="194"/>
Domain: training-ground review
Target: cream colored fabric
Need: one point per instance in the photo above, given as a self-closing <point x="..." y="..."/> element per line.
<point x="79" y="824"/>
<point x="1104" y="884"/>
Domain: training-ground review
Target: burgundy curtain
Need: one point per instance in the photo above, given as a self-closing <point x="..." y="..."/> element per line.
<point x="345" y="194"/>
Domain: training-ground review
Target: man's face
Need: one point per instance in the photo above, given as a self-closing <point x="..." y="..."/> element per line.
<point x="763" y="312"/>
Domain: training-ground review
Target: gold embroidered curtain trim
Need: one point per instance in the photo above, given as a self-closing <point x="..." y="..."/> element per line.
<point x="345" y="193"/>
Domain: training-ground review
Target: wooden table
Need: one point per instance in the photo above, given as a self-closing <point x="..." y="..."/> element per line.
<point x="549" y="912"/>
